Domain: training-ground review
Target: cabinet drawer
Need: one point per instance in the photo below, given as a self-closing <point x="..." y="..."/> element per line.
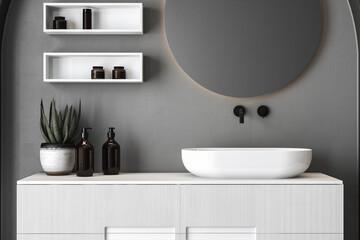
<point x="267" y="208"/>
<point x="92" y="208"/>
<point x="297" y="236"/>
<point x="41" y="236"/>
<point x="97" y="237"/>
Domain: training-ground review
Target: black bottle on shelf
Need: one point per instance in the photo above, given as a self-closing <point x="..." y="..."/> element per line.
<point x="111" y="155"/>
<point x="87" y="18"/>
<point x="98" y="72"/>
<point x="84" y="166"/>
<point x="59" y="22"/>
<point x="119" y="72"/>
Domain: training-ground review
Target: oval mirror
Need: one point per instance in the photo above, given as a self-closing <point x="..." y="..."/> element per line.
<point x="243" y="48"/>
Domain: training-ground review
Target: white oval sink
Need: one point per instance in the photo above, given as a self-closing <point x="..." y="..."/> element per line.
<point x="246" y="162"/>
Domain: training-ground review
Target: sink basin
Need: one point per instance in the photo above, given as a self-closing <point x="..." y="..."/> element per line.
<point x="246" y="162"/>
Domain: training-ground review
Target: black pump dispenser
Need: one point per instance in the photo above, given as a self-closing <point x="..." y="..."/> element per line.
<point x="84" y="165"/>
<point x="111" y="154"/>
<point x="111" y="133"/>
<point x="85" y="134"/>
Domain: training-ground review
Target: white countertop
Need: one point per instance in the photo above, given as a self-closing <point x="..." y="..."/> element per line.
<point x="172" y="179"/>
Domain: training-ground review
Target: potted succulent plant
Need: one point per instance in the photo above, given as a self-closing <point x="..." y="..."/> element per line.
<point x="57" y="154"/>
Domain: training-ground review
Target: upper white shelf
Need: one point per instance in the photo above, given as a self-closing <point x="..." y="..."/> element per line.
<point x="107" y="18"/>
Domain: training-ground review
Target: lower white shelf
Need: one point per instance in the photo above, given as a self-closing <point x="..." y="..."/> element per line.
<point x="91" y="31"/>
<point x="76" y="67"/>
<point x="93" y="80"/>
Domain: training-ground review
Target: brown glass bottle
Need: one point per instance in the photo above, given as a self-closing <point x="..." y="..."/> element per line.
<point x="59" y="22"/>
<point x="98" y="72"/>
<point x="84" y="166"/>
<point x="119" y="72"/>
<point x="111" y="155"/>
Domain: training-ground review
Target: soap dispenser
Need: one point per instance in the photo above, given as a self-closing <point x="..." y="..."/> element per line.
<point x="111" y="154"/>
<point x="84" y="156"/>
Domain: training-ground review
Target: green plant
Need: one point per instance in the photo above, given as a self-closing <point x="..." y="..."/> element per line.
<point x="61" y="128"/>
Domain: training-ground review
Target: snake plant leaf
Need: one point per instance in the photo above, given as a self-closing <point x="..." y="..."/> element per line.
<point x="65" y="112"/>
<point x="47" y="127"/>
<point x="61" y="123"/>
<point x="43" y="119"/>
<point x="41" y="111"/>
<point x="61" y="127"/>
<point x="44" y="134"/>
<point x="66" y="137"/>
<point x="54" y="123"/>
<point x="51" y="115"/>
<point x="72" y="125"/>
<point x="66" y="126"/>
<point x="57" y="121"/>
<point x="57" y="116"/>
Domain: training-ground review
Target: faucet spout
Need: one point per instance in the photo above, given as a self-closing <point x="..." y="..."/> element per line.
<point x="239" y="111"/>
<point x="241" y="115"/>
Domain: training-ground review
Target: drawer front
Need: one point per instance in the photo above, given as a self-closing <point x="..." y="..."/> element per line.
<point x="41" y="236"/>
<point x="267" y="208"/>
<point x="98" y="237"/>
<point x="263" y="237"/>
<point x="92" y="208"/>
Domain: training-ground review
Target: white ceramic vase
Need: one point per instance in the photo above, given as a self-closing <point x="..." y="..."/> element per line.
<point x="57" y="159"/>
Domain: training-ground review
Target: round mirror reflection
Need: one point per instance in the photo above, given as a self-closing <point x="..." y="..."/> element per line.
<point x="243" y="48"/>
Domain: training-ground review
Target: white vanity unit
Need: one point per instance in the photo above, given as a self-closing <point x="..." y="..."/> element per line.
<point x="179" y="206"/>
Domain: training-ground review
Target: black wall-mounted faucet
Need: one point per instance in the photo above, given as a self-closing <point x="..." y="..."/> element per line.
<point x="239" y="111"/>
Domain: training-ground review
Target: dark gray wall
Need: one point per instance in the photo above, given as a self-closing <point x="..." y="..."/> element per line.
<point x="154" y="120"/>
<point x="4" y="5"/>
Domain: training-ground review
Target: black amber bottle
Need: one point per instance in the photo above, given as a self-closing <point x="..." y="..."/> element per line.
<point x="59" y="23"/>
<point x="84" y="166"/>
<point x="111" y="155"/>
<point x="87" y="18"/>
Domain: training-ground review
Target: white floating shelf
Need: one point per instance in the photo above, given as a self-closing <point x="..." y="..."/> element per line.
<point x="107" y="18"/>
<point x="76" y="67"/>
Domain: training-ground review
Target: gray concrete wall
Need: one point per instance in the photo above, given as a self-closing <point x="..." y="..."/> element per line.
<point x="154" y="120"/>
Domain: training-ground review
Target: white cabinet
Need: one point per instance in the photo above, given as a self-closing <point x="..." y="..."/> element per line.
<point x="178" y="206"/>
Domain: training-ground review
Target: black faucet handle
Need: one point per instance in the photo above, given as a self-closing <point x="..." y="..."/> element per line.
<point x="240" y="111"/>
<point x="263" y="111"/>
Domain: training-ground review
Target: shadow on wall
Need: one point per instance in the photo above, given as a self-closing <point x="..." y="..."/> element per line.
<point x="131" y="153"/>
<point x="151" y="68"/>
<point x="152" y="17"/>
